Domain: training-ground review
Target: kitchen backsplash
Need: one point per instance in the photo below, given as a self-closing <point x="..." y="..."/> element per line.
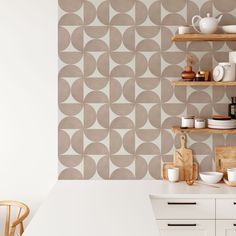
<point x="116" y="102"/>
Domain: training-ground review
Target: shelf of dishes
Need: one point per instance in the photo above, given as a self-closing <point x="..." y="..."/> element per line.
<point x="178" y="129"/>
<point x="206" y="28"/>
<point x="203" y="37"/>
<point x="201" y="83"/>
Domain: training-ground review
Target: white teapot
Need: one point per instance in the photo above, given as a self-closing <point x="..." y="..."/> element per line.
<point x="207" y="25"/>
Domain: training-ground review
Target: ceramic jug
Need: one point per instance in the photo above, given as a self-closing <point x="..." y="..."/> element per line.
<point x="207" y="25"/>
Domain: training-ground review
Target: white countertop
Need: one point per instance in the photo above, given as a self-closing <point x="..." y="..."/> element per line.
<point x="110" y="208"/>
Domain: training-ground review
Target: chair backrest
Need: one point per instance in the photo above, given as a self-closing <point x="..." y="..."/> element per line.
<point x="12" y="222"/>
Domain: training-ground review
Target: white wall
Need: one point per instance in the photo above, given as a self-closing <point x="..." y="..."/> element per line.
<point x="28" y="99"/>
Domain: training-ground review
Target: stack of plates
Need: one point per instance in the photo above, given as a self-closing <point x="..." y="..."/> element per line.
<point x="221" y="124"/>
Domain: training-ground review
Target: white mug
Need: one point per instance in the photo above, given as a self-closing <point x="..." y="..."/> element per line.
<point x="173" y="174"/>
<point x="231" y="174"/>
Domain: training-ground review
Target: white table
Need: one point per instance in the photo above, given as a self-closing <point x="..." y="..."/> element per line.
<point x="109" y="208"/>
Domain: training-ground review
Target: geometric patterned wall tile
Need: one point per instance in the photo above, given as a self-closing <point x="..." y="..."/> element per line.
<point x="115" y="98"/>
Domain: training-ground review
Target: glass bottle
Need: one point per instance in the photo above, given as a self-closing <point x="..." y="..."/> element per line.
<point x="232" y="108"/>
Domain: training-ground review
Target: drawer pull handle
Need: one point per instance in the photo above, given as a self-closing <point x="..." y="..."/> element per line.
<point x="182" y="203"/>
<point x="234" y="203"/>
<point x="191" y="225"/>
<point x="235" y="225"/>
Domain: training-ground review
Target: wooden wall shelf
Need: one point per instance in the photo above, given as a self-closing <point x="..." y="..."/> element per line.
<point x="201" y="83"/>
<point x="177" y="130"/>
<point x="204" y="37"/>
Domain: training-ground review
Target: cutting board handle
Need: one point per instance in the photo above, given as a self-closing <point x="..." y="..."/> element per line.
<point x="183" y="140"/>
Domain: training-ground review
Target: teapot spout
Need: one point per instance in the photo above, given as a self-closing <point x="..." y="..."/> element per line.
<point x="219" y="18"/>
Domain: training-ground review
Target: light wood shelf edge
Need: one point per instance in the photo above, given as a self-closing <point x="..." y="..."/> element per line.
<point x="178" y="130"/>
<point x="202" y="83"/>
<point x="204" y="37"/>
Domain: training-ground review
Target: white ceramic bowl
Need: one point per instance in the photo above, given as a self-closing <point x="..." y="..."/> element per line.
<point x="211" y="177"/>
<point x="231" y="29"/>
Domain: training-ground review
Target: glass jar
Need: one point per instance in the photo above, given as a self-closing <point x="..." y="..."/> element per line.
<point x="199" y="77"/>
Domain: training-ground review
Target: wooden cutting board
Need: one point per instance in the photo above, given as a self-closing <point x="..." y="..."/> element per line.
<point x="167" y="165"/>
<point x="225" y="157"/>
<point x="183" y="159"/>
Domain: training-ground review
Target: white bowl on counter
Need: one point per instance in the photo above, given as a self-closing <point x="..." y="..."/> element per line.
<point x="211" y="177"/>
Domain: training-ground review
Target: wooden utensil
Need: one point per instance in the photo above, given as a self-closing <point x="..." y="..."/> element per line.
<point x="225" y="157"/>
<point x="167" y="165"/>
<point x="183" y="159"/>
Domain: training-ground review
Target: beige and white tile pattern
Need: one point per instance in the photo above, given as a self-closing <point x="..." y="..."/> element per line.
<point x="116" y="103"/>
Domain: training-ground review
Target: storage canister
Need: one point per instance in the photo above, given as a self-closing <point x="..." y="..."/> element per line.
<point x="199" y="123"/>
<point x="187" y="122"/>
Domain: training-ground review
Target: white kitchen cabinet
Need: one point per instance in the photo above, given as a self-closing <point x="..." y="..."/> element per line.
<point x="195" y="216"/>
<point x="184" y="217"/>
<point x="186" y="227"/>
<point x="225" y="227"/>
<point x="225" y="217"/>
<point x="184" y="208"/>
<point x="225" y="209"/>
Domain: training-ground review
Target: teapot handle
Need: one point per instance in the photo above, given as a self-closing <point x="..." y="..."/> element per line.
<point x="195" y="20"/>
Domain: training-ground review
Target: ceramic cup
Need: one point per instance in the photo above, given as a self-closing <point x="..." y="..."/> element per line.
<point x="185" y="29"/>
<point x="231" y="174"/>
<point x="232" y="57"/>
<point x="173" y="174"/>
<point x="229" y="71"/>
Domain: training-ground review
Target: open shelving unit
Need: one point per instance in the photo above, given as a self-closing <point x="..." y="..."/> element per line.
<point x="204" y="37"/>
<point x="177" y="130"/>
<point x="201" y="83"/>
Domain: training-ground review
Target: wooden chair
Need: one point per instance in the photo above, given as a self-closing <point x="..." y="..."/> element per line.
<point x="21" y="213"/>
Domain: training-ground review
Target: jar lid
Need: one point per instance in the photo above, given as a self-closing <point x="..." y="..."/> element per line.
<point x="199" y="119"/>
<point x="188" y="117"/>
<point x="218" y="73"/>
<point x="198" y="75"/>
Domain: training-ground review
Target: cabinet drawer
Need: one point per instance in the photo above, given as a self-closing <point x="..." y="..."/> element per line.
<point x="186" y="227"/>
<point x="225" y="227"/>
<point x="225" y="209"/>
<point x="184" y="208"/>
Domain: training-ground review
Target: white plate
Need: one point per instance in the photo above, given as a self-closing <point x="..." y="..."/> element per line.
<point x="220" y="127"/>
<point x="218" y="73"/>
<point x="226" y="125"/>
<point x="221" y="122"/>
<point x="230" y="29"/>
